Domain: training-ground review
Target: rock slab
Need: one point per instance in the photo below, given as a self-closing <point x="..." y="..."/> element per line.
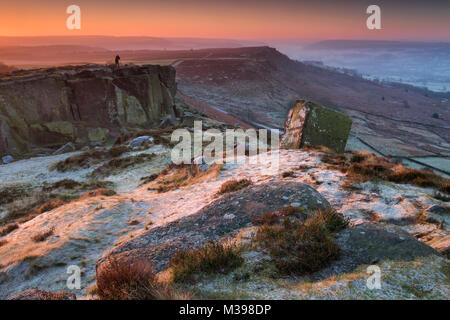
<point x="222" y="218"/>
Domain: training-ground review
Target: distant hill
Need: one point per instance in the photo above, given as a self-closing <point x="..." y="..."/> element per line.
<point x="259" y="85"/>
<point x="5" y="68"/>
<point x="125" y="43"/>
<point x="375" y="44"/>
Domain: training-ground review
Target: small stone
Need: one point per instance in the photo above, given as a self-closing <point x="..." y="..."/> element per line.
<point x="438" y="209"/>
<point x="7" y="159"/>
<point x="139" y="141"/>
<point x="295" y="204"/>
<point x="168" y="121"/>
<point x="68" y="147"/>
<point x="285" y="198"/>
<point x="229" y="216"/>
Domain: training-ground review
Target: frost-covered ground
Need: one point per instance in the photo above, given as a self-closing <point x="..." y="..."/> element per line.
<point x="84" y="229"/>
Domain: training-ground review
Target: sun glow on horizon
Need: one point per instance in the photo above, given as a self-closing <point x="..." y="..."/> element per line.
<point x="245" y="19"/>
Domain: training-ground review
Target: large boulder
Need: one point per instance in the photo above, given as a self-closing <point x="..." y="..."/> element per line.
<point x="86" y="104"/>
<point x="36" y="294"/>
<point x="308" y="123"/>
<point x="373" y="243"/>
<point x="222" y="218"/>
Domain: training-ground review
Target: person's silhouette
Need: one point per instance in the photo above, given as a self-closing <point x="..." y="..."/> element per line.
<point x="117" y="61"/>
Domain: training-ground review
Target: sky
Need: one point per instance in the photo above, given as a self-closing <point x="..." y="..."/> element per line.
<point x="427" y="20"/>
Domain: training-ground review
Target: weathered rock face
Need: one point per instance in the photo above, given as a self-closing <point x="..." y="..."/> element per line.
<point x="48" y="108"/>
<point x="308" y="123"/>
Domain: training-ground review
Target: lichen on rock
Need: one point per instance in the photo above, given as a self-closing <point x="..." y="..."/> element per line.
<point x="308" y="123"/>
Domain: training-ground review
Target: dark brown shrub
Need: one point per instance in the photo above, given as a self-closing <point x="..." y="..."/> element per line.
<point x="11" y="193"/>
<point x="149" y="178"/>
<point x="298" y="248"/>
<point x="117" y="151"/>
<point x="90" y="157"/>
<point x="42" y="236"/>
<point x="288" y="174"/>
<point x="442" y="197"/>
<point x="119" y="164"/>
<point x="123" y="280"/>
<point x="50" y="205"/>
<point x="75" y="185"/>
<point x="98" y="192"/>
<point x="371" y="215"/>
<point x="445" y="188"/>
<point x="350" y="186"/>
<point x="212" y="258"/>
<point x="359" y="157"/>
<point x="66" y="184"/>
<point x="134" y="222"/>
<point x="331" y="219"/>
<point x="335" y="159"/>
<point x="8" y="229"/>
<point x="234" y="185"/>
<point x="271" y="218"/>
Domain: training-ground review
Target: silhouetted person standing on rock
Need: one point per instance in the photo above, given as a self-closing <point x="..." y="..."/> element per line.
<point x="117" y="61"/>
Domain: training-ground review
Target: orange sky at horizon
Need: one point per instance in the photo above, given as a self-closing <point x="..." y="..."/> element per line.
<point x="245" y="19"/>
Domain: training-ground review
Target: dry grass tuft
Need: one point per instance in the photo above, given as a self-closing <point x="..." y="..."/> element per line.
<point x="8" y="229"/>
<point x="271" y="218"/>
<point x="212" y="258"/>
<point x="89" y="158"/>
<point x="42" y="236"/>
<point x="332" y="220"/>
<point x="98" y="192"/>
<point x="120" y="280"/>
<point x="416" y="177"/>
<point x="350" y="186"/>
<point x="364" y="166"/>
<point x="234" y="185"/>
<point x="119" y="164"/>
<point x="288" y="174"/>
<point x="148" y="179"/>
<point x="445" y="187"/>
<point x="300" y="248"/>
<point x="177" y="176"/>
<point x="134" y="222"/>
<point x="10" y="193"/>
<point x="442" y="197"/>
<point x="50" y="196"/>
<point x="371" y="215"/>
<point x="50" y="205"/>
<point x="69" y="184"/>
